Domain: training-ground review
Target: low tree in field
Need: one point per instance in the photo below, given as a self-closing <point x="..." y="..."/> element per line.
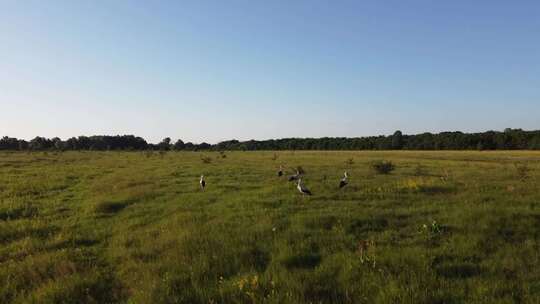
<point x="165" y="144"/>
<point x="397" y="140"/>
<point x="179" y="145"/>
<point x="383" y="167"/>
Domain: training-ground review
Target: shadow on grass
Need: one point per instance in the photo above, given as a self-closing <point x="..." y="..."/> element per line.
<point x="361" y="226"/>
<point x="458" y="271"/>
<point x="323" y="222"/>
<point x="76" y="243"/>
<point x="112" y="206"/>
<point x="454" y="267"/>
<point x="434" y="190"/>
<point x="89" y="287"/>
<point x="513" y="229"/>
<point x="27" y="211"/>
<point x="39" y="232"/>
<point x="303" y="261"/>
<point x="257" y="258"/>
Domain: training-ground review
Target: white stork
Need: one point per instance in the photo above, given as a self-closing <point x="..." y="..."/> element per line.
<point x="344" y="181"/>
<point x="302" y="188"/>
<point x="295" y="176"/>
<point x="202" y="182"/>
<point x="280" y="172"/>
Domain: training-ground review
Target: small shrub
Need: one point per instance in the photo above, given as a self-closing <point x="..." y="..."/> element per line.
<point x="446" y="175"/>
<point x="522" y="170"/>
<point x="206" y="159"/>
<point x="252" y="289"/>
<point x="411" y="184"/>
<point x="383" y="167"/>
<point x="433" y="229"/>
<point x="222" y="154"/>
<point x="366" y="252"/>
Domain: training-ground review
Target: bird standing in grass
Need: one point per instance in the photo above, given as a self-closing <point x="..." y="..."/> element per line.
<point x="280" y="172"/>
<point x="295" y="176"/>
<point x="302" y="188"/>
<point x="202" y="182"/>
<point x="344" y="181"/>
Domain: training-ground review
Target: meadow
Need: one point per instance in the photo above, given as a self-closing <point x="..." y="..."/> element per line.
<point x="134" y="227"/>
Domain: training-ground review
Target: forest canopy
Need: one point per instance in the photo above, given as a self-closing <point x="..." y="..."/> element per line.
<point x="509" y="139"/>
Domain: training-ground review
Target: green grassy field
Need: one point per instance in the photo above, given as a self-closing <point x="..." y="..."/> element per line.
<point x="129" y="227"/>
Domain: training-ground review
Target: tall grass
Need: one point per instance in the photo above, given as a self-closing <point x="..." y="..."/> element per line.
<point x="128" y="227"/>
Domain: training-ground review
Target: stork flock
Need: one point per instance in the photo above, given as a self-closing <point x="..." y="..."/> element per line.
<point x="295" y="177"/>
<point x="300" y="184"/>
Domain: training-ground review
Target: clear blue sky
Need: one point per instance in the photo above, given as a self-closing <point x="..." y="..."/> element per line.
<point x="216" y="70"/>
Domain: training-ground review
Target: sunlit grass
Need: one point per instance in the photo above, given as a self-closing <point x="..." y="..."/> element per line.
<point x="443" y="227"/>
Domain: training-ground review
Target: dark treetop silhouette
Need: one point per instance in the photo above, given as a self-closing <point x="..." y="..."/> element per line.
<point x="509" y="139"/>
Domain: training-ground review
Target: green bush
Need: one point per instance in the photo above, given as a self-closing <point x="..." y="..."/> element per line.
<point x="383" y="167"/>
<point x="206" y="159"/>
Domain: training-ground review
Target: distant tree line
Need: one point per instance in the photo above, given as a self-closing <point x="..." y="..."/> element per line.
<point x="509" y="139"/>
